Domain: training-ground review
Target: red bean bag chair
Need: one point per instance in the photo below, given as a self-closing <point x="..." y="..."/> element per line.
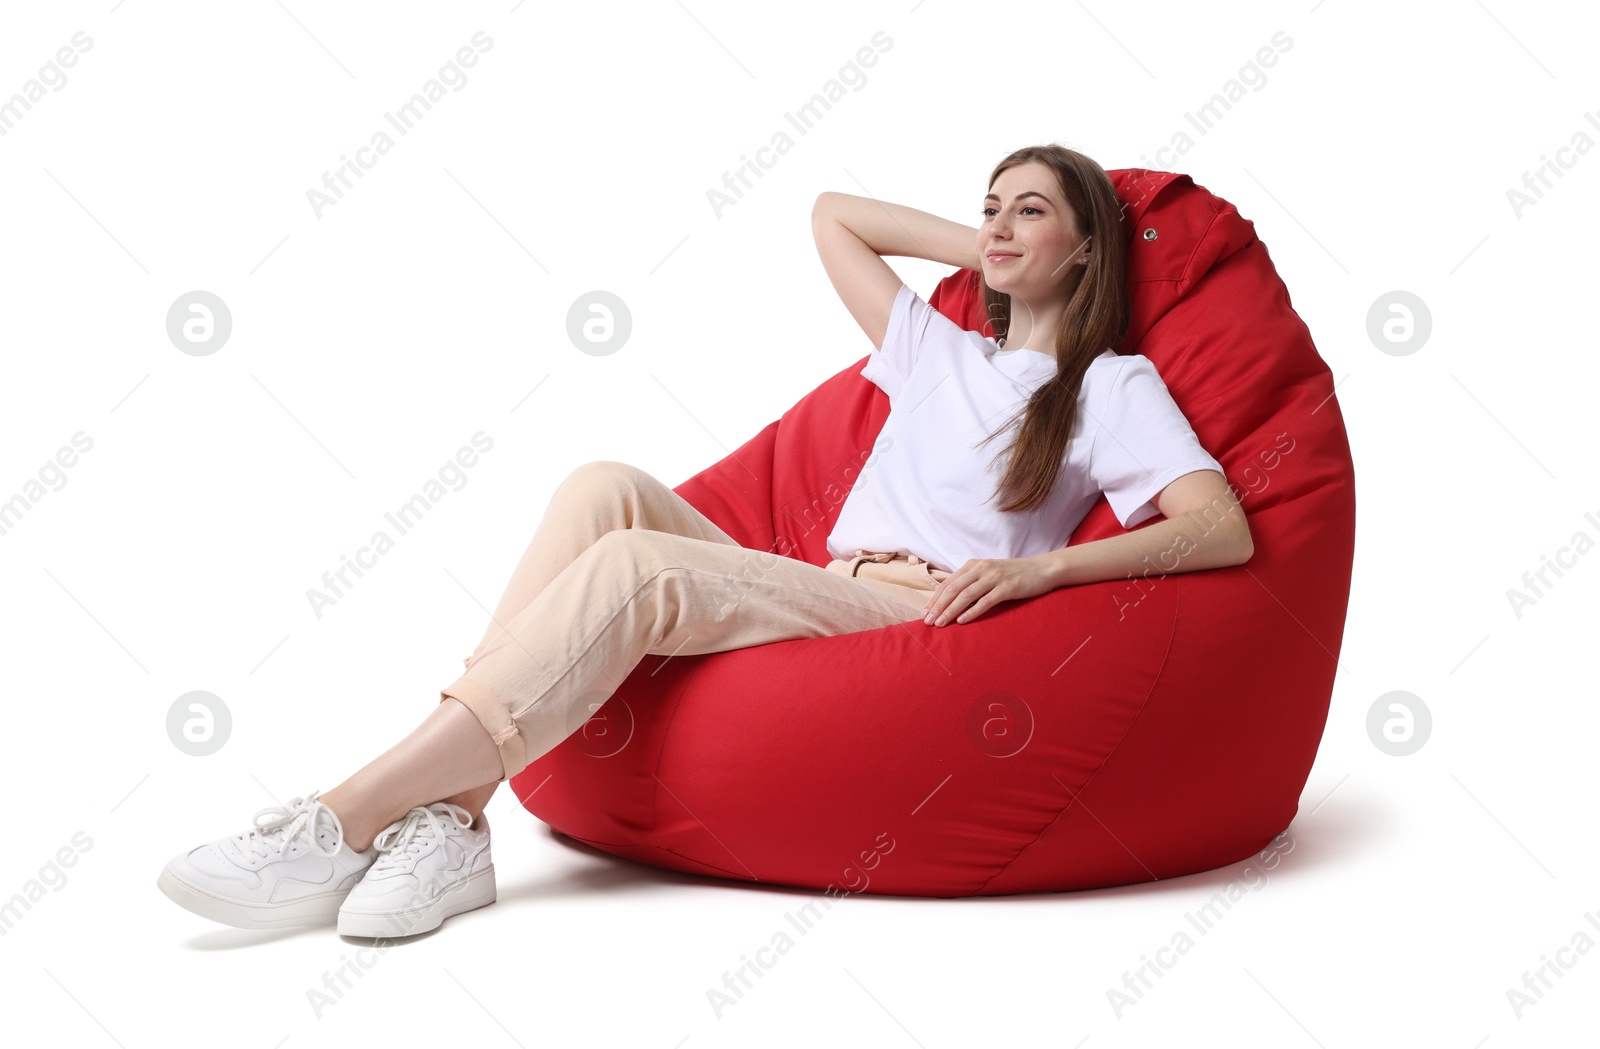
<point x="1096" y="735"/>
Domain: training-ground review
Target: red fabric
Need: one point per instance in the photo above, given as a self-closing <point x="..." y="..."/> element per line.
<point x="1154" y="730"/>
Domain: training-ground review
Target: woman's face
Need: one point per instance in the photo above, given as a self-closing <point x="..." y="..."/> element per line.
<point x="1029" y="241"/>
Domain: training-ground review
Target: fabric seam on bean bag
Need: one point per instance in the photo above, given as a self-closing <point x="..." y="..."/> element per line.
<point x="1073" y="796"/>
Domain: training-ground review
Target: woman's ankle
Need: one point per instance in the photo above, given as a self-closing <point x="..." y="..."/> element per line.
<point x="359" y="831"/>
<point x="475" y="800"/>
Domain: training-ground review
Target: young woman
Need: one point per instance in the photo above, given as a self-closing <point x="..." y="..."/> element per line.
<point x="621" y="566"/>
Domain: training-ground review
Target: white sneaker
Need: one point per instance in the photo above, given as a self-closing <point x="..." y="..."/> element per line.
<point x="291" y="868"/>
<point x="431" y="864"/>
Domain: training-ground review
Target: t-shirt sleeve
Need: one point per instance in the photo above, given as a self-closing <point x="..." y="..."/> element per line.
<point x="913" y="325"/>
<point x="1143" y="443"/>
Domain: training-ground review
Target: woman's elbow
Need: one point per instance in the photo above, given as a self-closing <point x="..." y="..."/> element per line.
<point x="1245" y="548"/>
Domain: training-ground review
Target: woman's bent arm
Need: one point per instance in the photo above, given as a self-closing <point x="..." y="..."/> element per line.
<point x="1205" y="527"/>
<point x="854" y="233"/>
<point x="894" y="229"/>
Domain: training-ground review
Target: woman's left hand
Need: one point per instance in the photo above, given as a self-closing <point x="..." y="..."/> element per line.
<point x="979" y="585"/>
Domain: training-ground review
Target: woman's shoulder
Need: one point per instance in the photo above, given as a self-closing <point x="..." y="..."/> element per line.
<point x="1118" y="377"/>
<point x="1110" y="364"/>
<point x="1123" y="366"/>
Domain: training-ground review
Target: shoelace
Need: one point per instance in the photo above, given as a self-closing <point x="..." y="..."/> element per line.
<point x="277" y="827"/>
<point x="407" y="835"/>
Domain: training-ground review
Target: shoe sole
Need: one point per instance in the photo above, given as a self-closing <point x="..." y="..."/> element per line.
<point x="477" y="891"/>
<point x="314" y="910"/>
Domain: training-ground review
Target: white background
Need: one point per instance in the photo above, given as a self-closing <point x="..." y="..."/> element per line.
<point x="370" y="343"/>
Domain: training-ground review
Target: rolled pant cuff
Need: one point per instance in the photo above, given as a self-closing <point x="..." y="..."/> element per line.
<point x="496" y="719"/>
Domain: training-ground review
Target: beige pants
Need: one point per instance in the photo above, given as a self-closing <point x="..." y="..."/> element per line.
<point x="622" y="567"/>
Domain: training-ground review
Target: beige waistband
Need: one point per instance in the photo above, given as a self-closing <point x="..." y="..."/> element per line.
<point x="901" y="569"/>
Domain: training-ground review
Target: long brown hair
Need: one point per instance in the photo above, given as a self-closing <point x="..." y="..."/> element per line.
<point x="1096" y="317"/>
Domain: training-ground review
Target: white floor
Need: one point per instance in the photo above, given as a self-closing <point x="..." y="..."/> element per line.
<point x="1374" y="923"/>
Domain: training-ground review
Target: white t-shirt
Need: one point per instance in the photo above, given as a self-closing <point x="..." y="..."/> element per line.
<point x="926" y="491"/>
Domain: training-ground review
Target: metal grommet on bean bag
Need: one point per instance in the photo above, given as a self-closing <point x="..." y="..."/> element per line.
<point x="1096" y="735"/>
